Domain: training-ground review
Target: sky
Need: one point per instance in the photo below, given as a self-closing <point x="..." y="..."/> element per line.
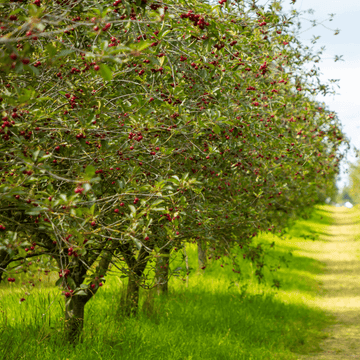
<point x="347" y="43"/>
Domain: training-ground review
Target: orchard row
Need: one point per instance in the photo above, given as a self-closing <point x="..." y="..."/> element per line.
<point x="129" y="128"/>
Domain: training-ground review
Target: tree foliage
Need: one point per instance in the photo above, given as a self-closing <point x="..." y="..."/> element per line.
<point x="134" y="126"/>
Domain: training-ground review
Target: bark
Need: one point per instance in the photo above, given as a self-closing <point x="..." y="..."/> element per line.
<point x="187" y="266"/>
<point x="3" y="262"/>
<point x="202" y="260"/>
<point x="136" y="269"/>
<point x="75" y="306"/>
<point x="74" y="318"/>
<point x="162" y="272"/>
<point x="132" y="297"/>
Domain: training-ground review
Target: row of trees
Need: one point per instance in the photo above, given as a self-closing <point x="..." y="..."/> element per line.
<point x="350" y="192"/>
<point x="132" y="127"/>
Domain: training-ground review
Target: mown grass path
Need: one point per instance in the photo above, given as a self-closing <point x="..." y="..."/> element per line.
<point x="339" y="248"/>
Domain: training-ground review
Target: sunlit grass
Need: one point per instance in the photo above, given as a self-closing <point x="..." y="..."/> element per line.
<point x="218" y="316"/>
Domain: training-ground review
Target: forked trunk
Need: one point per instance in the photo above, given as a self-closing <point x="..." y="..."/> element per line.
<point x="74" y="318"/>
<point x="137" y="267"/>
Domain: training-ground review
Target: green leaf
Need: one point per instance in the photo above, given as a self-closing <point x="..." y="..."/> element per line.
<point x="142" y="45"/>
<point x="35" y="154"/>
<point x="217" y="129"/>
<point x="137" y="243"/>
<point x="132" y="209"/>
<point x="35" y="211"/>
<point x="90" y="170"/>
<point x="95" y="179"/>
<point x="59" y="282"/>
<point x="105" y="72"/>
<point x="70" y="281"/>
<point x="157" y="202"/>
<point x="64" y="53"/>
<point x="51" y="49"/>
<point x="34" y="70"/>
<point x="81" y="292"/>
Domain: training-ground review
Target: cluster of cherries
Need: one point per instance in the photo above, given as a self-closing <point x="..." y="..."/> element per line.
<point x="197" y="19"/>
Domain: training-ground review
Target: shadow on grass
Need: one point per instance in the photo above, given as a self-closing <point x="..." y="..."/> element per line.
<point x="191" y="324"/>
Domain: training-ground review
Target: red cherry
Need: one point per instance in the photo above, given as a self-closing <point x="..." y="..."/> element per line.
<point x="96" y="67"/>
<point x="93" y="223"/>
<point x="116" y="210"/>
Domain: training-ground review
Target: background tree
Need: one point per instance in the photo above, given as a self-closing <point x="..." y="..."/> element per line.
<point x="351" y="192"/>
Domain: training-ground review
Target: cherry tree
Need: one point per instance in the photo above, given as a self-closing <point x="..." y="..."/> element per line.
<point x="131" y="127"/>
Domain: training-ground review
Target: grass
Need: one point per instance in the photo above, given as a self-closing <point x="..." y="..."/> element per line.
<point x="218" y="316"/>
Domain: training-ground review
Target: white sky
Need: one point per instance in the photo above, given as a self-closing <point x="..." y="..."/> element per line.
<point x="347" y="43"/>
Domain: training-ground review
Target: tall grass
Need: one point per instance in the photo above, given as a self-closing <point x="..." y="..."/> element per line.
<point x="220" y="315"/>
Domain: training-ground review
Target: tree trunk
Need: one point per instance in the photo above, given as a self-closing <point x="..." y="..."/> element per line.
<point x="202" y="260"/>
<point x="4" y="256"/>
<point x="162" y="272"/>
<point x="75" y="305"/>
<point x="74" y="318"/>
<point x="132" y="297"/>
<point x="136" y="267"/>
<point x="187" y="266"/>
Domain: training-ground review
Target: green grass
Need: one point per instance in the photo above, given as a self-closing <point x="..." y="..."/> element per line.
<point x="218" y="316"/>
